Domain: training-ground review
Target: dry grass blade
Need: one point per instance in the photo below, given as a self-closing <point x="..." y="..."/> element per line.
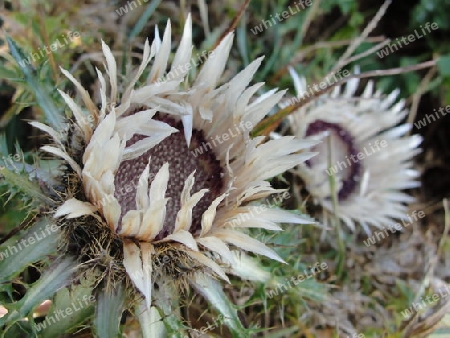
<point x="344" y="59"/>
<point x="319" y="45"/>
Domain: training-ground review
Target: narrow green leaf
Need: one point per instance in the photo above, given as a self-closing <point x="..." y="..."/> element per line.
<point x="274" y="57"/>
<point x="44" y="99"/>
<point x="6" y="73"/>
<point x="109" y="310"/>
<point x="242" y="42"/>
<point x="144" y="19"/>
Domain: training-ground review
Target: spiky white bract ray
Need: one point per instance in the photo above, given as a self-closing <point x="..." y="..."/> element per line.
<point x="246" y="243"/>
<point x="50" y="131"/>
<point x="74" y="208"/>
<point x="137" y="263"/>
<point x="248" y="267"/>
<point x="90" y="105"/>
<point x="61" y="153"/>
<point x="81" y="120"/>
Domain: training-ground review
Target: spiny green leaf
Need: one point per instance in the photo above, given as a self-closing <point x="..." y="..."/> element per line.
<point x="36" y="243"/>
<point x="23" y="183"/>
<point x="56" y="276"/>
<point x="167" y="302"/>
<point x="242" y="42"/>
<point x="76" y="304"/>
<point x="213" y="292"/>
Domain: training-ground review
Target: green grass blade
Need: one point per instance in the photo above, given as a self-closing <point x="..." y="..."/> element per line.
<point x="45" y="101"/>
<point x="137" y="29"/>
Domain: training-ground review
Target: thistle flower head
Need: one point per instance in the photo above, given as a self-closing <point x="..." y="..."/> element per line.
<point x="163" y="174"/>
<point x="364" y="158"/>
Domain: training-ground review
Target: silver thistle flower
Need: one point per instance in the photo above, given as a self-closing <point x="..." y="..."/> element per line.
<point x="157" y="179"/>
<point x="363" y="148"/>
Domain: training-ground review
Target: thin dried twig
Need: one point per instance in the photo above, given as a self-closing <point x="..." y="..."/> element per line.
<point x="270" y="123"/>
<point x="319" y="45"/>
<point x="344" y="59"/>
<point x="418" y="95"/>
<point x="309" y="18"/>
<point x="234" y="23"/>
<point x="369" y="51"/>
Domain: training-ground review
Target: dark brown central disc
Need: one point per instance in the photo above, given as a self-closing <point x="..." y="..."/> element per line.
<point x="182" y="162"/>
<point x="341" y="139"/>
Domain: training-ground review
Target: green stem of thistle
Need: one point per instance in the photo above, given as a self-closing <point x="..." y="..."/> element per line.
<point x="335" y="219"/>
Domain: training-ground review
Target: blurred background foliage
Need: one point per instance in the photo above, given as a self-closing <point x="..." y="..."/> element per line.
<point x="311" y="41"/>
